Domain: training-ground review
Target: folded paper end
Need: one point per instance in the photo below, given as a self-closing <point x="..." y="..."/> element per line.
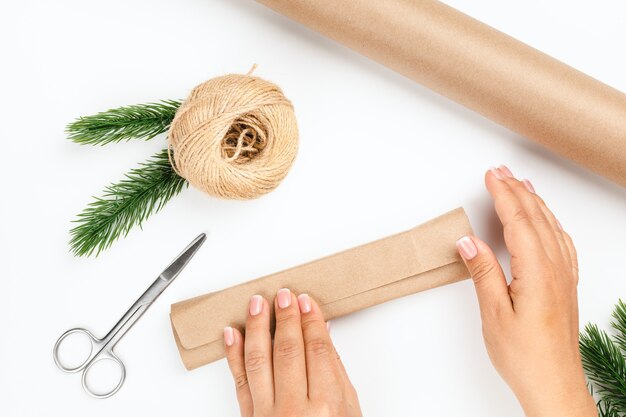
<point x="193" y="358"/>
<point x="179" y="345"/>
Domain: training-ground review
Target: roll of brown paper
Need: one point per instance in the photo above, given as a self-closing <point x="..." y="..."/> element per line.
<point x="487" y="71"/>
<point x="418" y="259"/>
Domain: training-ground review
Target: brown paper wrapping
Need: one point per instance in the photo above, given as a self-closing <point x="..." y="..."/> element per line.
<point x="418" y="259"/>
<point x="487" y="71"/>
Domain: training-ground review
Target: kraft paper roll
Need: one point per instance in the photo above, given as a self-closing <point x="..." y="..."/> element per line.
<point x="487" y="71"/>
<point x="418" y="259"/>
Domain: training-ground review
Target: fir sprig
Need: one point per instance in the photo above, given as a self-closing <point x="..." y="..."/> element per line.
<point x="605" y="409"/>
<point x="125" y="204"/>
<point x="605" y="364"/>
<point x="139" y="121"/>
<point x="619" y="324"/>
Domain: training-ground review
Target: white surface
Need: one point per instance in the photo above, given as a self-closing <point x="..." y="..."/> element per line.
<point x="379" y="154"/>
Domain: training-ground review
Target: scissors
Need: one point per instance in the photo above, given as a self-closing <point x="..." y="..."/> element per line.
<point x="102" y="349"/>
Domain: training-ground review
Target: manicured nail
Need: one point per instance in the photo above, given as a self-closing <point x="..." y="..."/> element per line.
<point x="284" y="298"/>
<point x="305" y="303"/>
<point x="496" y="173"/>
<point x="466" y="248"/>
<point x="328" y="326"/>
<point x="529" y="186"/>
<point x="229" y="336"/>
<point x="506" y="171"/>
<point x="256" y="305"/>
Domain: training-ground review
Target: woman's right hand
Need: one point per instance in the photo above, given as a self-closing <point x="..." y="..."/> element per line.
<point x="300" y="373"/>
<point x="530" y="326"/>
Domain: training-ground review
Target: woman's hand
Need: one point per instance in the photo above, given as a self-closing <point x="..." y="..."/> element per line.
<point x="300" y="375"/>
<point x="530" y="326"/>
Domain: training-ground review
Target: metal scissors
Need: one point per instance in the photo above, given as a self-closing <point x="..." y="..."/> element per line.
<point x="102" y="349"/>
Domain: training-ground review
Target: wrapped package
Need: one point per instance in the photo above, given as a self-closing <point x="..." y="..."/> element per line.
<point x="416" y="260"/>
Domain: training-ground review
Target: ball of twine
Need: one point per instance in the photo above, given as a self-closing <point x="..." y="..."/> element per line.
<point x="234" y="137"/>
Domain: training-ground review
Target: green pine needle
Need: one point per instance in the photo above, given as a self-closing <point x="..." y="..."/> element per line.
<point x="142" y="192"/>
<point x="619" y="324"/>
<point x="605" y="409"/>
<point x="605" y="366"/>
<point x="139" y="121"/>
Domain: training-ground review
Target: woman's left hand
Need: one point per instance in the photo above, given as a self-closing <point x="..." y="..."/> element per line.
<point x="300" y="374"/>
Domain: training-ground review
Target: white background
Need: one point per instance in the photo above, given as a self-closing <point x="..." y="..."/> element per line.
<point x="379" y="154"/>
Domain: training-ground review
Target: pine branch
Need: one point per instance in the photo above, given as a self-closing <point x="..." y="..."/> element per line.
<point x="142" y="192"/>
<point x="139" y="121"/>
<point x="605" y="366"/>
<point x="619" y="324"/>
<point x="605" y="409"/>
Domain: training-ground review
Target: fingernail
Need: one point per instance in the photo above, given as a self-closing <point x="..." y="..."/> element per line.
<point x="466" y="248"/>
<point x="506" y="171"/>
<point x="529" y="186"/>
<point x="256" y="305"/>
<point x="284" y="298"/>
<point x="559" y="224"/>
<point x="304" y="302"/>
<point x="229" y="336"/>
<point x="328" y="326"/>
<point x="496" y="173"/>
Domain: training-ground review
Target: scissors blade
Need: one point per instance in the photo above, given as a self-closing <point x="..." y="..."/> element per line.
<point x="181" y="260"/>
<point x="153" y="292"/>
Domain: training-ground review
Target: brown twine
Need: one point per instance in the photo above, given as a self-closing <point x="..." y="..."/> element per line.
<point x="234" y="137"/>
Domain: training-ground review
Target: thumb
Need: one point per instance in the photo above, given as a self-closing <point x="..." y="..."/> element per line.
<point x="489" y="280"/>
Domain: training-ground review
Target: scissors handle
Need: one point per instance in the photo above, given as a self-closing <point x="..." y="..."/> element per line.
<point x="98" y="352"/>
